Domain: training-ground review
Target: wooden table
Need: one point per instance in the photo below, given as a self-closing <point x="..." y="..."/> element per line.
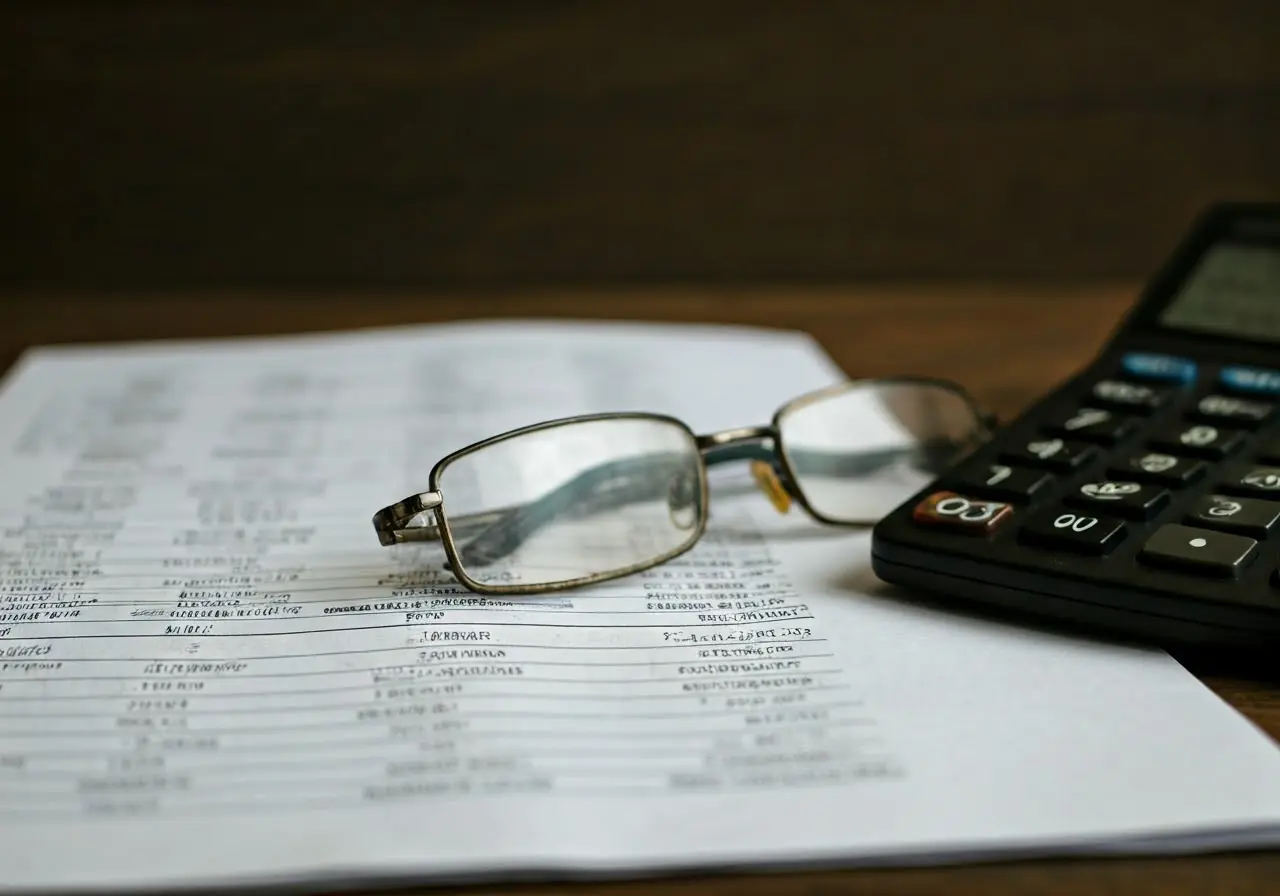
<point x="1005" y="344"/>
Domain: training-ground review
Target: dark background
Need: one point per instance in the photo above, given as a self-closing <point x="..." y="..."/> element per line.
<point x="422" y="146"/>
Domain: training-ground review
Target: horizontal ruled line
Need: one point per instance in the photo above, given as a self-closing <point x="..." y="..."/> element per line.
<point x="205" y="695"/>
<point x="467" y="716"/>
<point x="291" y="748"/>
<point x="693" y="766"/>
<point x="222" y="620"/>
<point x="493" y="645"/>
<point x="657" y="790"/>
<point x="371" y="704"/>
<point x="409" y="753"/>
<point x="371" y="628"/>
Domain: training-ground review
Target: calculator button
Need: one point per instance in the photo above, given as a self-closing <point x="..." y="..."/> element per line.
<point x="1132" y="500"/>
<point x="1255" y="480"/>
<point x="1002" y="481"/>
<point x="1094" y="425"/>
<point x="1079" y="532"/>
<point x="1200" y="439"/>
<point x="1248" y="516"/>
<point x="1250" y="380"/>
<point x="1157" y="467"/>
<point x="1052" y="453"/>
<point x="1165" y="368"/>
<point x="1198" y="550"/>
<point x="1126" y="396"/>
<point x="972" y="516"/>
<point x="1232" y="411"/>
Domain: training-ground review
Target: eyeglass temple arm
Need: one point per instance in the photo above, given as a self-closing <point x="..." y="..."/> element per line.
<point x="511" y="527"/>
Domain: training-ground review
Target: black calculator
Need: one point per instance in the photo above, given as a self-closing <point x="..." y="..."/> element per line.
<point x="1142" y="495"/>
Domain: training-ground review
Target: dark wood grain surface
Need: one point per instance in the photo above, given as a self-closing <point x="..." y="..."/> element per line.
<point x="1006" y="344"/>
<point x="394" y="144"/>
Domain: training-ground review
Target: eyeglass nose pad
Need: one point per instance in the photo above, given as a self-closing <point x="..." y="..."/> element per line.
<point x="682" y="501"/>
<point x="767" y="481"/>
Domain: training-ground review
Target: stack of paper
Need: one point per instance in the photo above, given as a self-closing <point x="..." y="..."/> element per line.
<point x="211" y="673"/>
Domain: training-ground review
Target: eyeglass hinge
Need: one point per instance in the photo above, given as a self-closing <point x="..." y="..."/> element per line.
<point x="391" y="522"/>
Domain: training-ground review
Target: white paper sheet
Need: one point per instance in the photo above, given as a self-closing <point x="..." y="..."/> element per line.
<point x="212" y="674"/>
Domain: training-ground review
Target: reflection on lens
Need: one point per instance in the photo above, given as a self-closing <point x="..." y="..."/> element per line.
<point x="857" y="453"/>
<point x="574" y="500"/>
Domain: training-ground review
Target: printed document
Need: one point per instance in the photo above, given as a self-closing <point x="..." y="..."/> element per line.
<point x="212" y="674"/>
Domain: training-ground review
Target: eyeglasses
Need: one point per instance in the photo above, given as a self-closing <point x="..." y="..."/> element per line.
<point x="586" y="499"/>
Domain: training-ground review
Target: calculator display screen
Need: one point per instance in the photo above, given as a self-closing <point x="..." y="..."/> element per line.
<point x="1233" y="291"/>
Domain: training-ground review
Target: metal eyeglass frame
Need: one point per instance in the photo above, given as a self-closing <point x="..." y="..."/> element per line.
<point x="508" y="526"/>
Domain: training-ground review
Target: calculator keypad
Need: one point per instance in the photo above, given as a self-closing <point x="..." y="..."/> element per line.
<point x="1141" y="494"/>
<point x="1145" y="470"/>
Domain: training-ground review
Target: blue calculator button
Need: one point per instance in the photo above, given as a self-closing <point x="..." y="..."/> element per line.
<point x="1150" y="366"/>
<point x="1257" y="380"/>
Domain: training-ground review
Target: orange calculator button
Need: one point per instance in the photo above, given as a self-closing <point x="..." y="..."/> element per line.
<point x="955" y="511"/>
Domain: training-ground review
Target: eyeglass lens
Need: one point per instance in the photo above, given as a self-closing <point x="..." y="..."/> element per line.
<point x="857" y="453"/>
<point x="574" y="501"/>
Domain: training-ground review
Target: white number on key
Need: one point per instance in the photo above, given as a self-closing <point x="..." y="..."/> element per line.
<point x="1075" y="523"/>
